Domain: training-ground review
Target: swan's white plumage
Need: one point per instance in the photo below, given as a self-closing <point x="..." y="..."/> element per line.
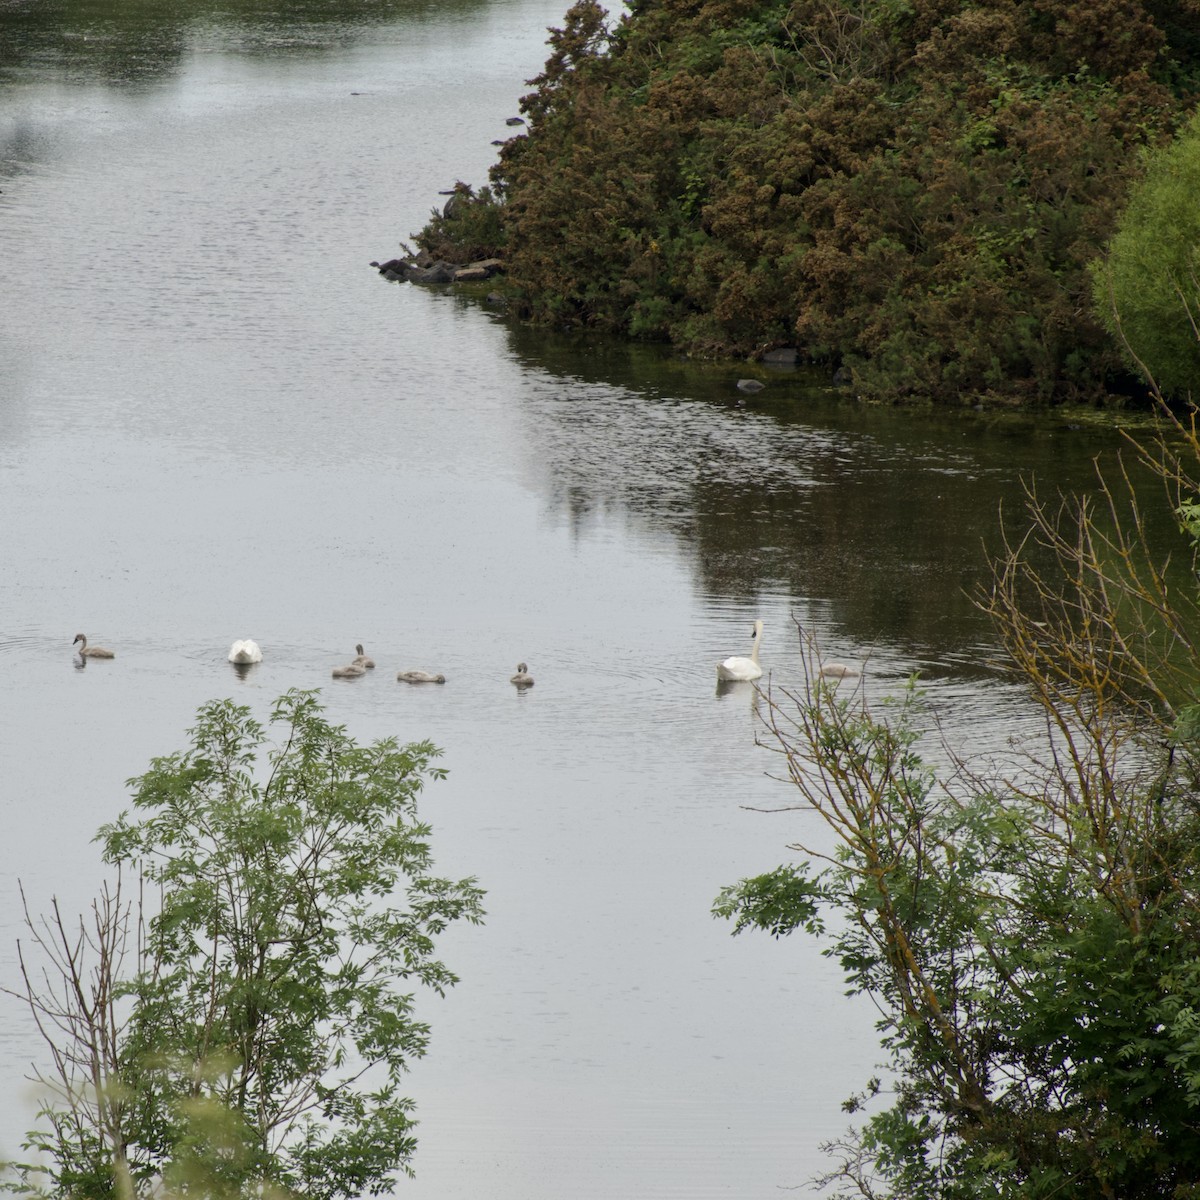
<point x="349" y="671"/>
<point x="522" y="678"/>
<point x="245" y="651"/>
<point x="362" y="660"/>
<point x="739" y="667"/>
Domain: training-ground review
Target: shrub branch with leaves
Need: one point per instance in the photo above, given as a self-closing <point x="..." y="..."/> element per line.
<point x="1030" y="930"/>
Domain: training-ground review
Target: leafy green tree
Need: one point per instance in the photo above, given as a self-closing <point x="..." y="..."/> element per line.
<point x="1029" y="930"/>
<point x="257" y="1045"/>
<point x="1147" y="288"/>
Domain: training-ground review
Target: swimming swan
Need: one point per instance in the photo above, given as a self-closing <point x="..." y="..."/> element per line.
<point x="86" y="651"/>
<point x="419" y="677"/>
<point x="522" y="678"/>
<point x="246" y="651"/>
<point x="837" y="670"/>
<point x="739" y="667"/>
<point x="362" y="660"/>
<point x="349" y="671"/>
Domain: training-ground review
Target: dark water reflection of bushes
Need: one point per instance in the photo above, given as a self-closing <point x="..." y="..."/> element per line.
<point x="135" y="43"/>
<point x="888" y="515"/>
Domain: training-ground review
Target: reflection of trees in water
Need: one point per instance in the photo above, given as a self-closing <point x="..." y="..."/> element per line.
<point x="19" y="147"/>
<point x="888" y="517"/>
<point x="134" y="42"/>
<point x="894" y="553"/>
<point x="106" y="40"/>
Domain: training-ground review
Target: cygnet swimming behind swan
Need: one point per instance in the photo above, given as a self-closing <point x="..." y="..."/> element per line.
<point x="86" y="651"/>
<point x="362" y="660"/>
<point x="349" y="671"/>
<point x="245" y="651"/>
<point x="419" y="677"/>
<point x="836" y="670"/>
<point x="522" y="678"/>
<point x="739" y="667"/>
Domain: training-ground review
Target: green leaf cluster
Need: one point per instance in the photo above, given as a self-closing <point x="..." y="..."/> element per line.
<point x="910" y="189"/>
<point x="1147" y="289"/>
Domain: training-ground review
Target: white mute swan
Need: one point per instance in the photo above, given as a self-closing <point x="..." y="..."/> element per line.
<point x="245" y="651"/>
<point x="349" y="671"/>
<point x="522" y="678"/>
<point x="419" y="677"/>
<point x="362" y="660"/>
<point x="86" y="651"/>
<point x="739" y="667"/>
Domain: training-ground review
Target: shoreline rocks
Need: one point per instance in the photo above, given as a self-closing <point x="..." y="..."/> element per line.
<point x="425" y="270"/>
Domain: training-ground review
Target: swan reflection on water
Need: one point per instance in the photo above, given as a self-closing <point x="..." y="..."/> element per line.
<point x="736" y="687"/>
<point x="727" y="688"/>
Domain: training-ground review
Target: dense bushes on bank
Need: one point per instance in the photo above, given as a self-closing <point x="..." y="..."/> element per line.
<point x="911" y="189"/>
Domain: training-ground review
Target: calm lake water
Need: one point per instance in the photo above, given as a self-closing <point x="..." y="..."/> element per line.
<point x="217" y="422"/>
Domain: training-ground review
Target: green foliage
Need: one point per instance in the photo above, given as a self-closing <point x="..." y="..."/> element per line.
<point x="910" y="189"/>
<point x="271" y="1013"/>
<point x="469" y="227"/>
<point x="1033" y="959"/>
<point x="779" y="902"/>
<point x="1147" y="289"/>
<point x="1030" y="931"/>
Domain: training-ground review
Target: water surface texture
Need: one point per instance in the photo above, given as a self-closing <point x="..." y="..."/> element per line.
<point x="217" y="422"/>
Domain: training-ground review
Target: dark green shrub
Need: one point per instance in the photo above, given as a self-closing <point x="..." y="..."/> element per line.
<point x="469" y="227"/>
<point x="911" y="189"/>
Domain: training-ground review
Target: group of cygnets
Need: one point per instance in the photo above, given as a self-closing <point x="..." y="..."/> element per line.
<point x="361" y="663"/>
<point x="246" y="651"/>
